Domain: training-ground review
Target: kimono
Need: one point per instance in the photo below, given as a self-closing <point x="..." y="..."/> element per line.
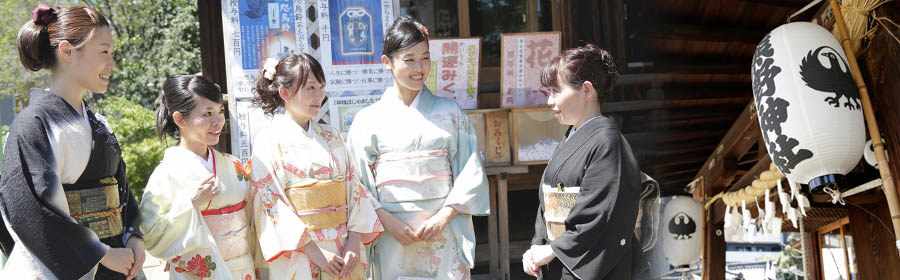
<point x="211" y="242"/>
<point x="418" y="159"/>
<point x="589" y="199"/>
<point x="64" y="198"/>
<point x="305" y="189"/>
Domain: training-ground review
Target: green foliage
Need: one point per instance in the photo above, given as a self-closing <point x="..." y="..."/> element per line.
<point x="155" y="39"/>
<point x="135" y="128"/>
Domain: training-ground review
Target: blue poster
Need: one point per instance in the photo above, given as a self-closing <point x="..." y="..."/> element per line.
<point x="267" y="30"/>
<point x="357" y="32"/>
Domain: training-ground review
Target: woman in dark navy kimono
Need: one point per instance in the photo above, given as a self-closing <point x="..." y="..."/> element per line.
<point x="591" y="187"/>
<point x="67" y="210"/>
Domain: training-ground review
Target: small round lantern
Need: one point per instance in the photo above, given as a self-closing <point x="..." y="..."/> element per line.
<point x="682" y="234"/>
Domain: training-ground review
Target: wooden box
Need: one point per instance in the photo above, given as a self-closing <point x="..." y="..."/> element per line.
<point x="535" y="134"/>
<point x="496" y="134"/>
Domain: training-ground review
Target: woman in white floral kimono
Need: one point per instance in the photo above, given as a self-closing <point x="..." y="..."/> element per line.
<point x="195" y="208"/>
<point x="419" y="158"/>
<point x="312" y="214"/>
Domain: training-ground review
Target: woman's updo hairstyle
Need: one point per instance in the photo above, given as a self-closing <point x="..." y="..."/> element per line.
<point x="404" y="33"/>
<point x="267" y="86"/>
<point x="575" y="66"/>
<point x="39" y="38"/>
<point x="180" y="94"/>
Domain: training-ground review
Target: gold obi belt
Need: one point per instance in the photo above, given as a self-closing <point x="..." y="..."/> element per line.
<point x="320" y="205"/>
<point x="228" y="226"/>
<point x="96" y="206"/>
<point x="413" y="176"/>
<point x="558" y="201"/>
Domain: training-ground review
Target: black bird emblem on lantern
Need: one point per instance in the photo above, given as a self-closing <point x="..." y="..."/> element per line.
<point x="682" y="226"/>
<point x="257" y="8"/>
<point x="835" y="78"/>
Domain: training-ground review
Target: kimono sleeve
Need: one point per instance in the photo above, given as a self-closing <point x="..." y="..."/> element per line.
<point x="28" y="181"/>
<point x="171" y="225"/>
<point x="361" y="150"/>
<point x="132" y="215"/>
<point x="540" y="225"/>
<point x="469" y="194"/>
<point x="602" y="217"/>
<point x="362" y="217"/>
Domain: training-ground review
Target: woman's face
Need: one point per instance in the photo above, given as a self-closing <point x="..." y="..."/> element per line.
<point x="569" y="104"/>
<point x="306" y="101"/>
<point x="92" y="64"/>
<point x="203" y="124"/>
<point x="410" y="66"/>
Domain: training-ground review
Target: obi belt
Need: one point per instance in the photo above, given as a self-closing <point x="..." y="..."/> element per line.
<point x="229" y="228"/>
<point x="558" y="201"/>
<point x="97" y="206"/>
<point x="413" y="176"/>
<point x="320" y="205"/>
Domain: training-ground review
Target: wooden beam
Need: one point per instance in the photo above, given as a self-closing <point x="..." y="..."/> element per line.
<point x="793" y="4"/>
<point x="671" y="136"/>
<point x="704" y="33"/>
<point x="531" y="13"/>
<point x="625" y="106"/>
<point x="742" y="135"/>
<point x="699" y="65"/>
<point x="713" y="250"/>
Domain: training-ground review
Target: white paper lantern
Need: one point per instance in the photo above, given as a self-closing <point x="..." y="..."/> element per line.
<point x="682" y="234"/>
<point x="808" y="105"/>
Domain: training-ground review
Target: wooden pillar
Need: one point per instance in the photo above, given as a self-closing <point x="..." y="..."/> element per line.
<point x="212" y="55"/>
<point x="873" y="242"/>
<point x="503" y="211"/>
<point x="713" y="266"/>
<point x="463" y="16"/>
<point x="492" y="231"/>
<point x="813" y="261"/>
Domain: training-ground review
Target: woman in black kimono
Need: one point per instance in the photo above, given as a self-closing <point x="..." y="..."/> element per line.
<point x="591" y="187"/>
<point x="67" y="210"/>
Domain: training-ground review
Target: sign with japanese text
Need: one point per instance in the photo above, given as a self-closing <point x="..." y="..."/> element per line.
<point x="523" y="56"/>
<point x="454" y="70"/>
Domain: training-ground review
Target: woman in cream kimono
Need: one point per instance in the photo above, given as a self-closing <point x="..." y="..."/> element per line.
<point x="310" y="210"/>
<point x="195" y="208"/>
<point x="419" y="158"/>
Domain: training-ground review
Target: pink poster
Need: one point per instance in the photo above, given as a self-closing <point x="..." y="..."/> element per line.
<point x="523" y="55"/>
<point x="454" y="70"/>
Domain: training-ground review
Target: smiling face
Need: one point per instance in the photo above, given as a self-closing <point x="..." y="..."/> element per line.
<point x="92" y="64"/>
<point x="306" y="101"/>
<point x="202" y="126"/>
<point x="410" y="66"/>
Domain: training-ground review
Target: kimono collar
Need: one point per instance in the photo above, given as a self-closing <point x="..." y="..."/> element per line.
<point x="183" y="155"/>
<point x="289" y="123"/>
<point x="37" y="95"/>
<point x="423" y="101"/>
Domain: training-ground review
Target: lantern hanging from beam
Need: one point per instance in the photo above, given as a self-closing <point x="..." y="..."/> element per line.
<point x="683" y="233"/>
<point x="808" y="105"/>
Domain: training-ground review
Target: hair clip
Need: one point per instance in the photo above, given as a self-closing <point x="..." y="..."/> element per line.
<point x="610" y="65"/>
<point x="269" y="68"/>
<point x="43" y="15"/>
<point x="423" y="28"/>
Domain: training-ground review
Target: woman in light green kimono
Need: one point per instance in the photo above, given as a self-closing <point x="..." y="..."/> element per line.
<point x="418" y="156"/>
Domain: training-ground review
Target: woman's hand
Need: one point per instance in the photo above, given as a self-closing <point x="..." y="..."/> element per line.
<point x="541" y="255"/>
<point x="436" y="224"/>
<point x="351" y="254"/>
<point x="119" y="260"/>
<point x="327" y="261"/>
<point x="206" y="192"/>
<point x="528" y="264"/>
<point x="397" y="228"/>
<point x="137" y="248"/>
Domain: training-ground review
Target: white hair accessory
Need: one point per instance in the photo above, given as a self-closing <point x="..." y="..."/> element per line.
<point x="269" y="68"/>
